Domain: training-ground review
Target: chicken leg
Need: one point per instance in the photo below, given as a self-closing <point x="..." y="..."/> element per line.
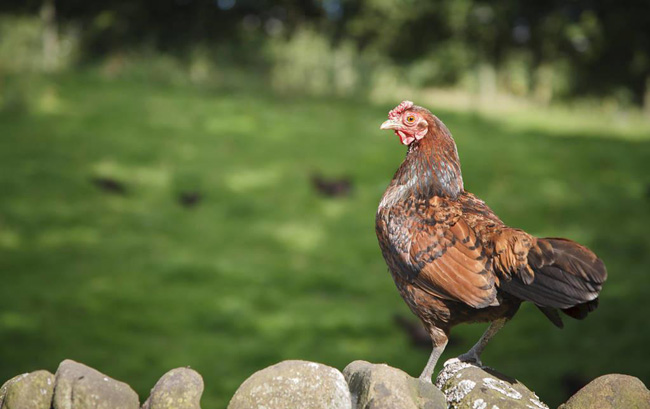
<point x="474" y="354"/>
<point x="427" y="373"/>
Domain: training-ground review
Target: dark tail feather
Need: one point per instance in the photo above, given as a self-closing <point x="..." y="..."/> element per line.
<point x="552" y="315"/>
<point x="568" y="276"/>
<point x="581" y="311"/>
<point x="578" y="312"/>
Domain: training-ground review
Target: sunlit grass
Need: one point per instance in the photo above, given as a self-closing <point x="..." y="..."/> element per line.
<point x="264" y="269"/>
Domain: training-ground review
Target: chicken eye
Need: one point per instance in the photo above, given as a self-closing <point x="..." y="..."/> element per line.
<point x="410" y="119"/>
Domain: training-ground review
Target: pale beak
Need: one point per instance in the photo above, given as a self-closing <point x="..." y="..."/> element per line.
<point x="390" y="124"/>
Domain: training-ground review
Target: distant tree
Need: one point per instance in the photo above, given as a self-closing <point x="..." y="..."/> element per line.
<point x="604" y="43"/>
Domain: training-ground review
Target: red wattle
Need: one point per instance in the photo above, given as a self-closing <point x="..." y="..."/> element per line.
<point x="405" y="139"/>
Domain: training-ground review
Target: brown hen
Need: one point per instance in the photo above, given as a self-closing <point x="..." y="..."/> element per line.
<point x="454" y="261"/>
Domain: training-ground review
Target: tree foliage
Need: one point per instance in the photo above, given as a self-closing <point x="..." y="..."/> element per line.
<point x="604" y="43"/>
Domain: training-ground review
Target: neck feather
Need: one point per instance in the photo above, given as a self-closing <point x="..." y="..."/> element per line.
<point x="432" y="166"/>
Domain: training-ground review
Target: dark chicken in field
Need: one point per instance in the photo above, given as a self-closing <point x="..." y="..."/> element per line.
<point x="331" y="187"/>
<point x="454" y="261"/>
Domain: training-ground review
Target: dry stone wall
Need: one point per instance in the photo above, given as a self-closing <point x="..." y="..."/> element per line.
<point x="310" y="385"/>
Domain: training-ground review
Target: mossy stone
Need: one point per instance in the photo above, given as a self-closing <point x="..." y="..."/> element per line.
<point x="29" y="391"/>
<point x="379" y="386"/>
<point x="292" y="385"/>
<point x="612" y="391"/>
<point x="468" y="386"/>
<point x="81" y="387"/>
<point x="180" y="388"/>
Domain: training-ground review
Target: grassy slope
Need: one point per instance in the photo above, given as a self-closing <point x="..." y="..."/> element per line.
<point x="265" y="270"/>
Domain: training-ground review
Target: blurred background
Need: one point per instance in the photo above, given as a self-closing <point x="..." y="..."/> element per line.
<point x="194" y="182"/>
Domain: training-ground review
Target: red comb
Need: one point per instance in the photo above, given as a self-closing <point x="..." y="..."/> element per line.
<point x="399" y="110"/>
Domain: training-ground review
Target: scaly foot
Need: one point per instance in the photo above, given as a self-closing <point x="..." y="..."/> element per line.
<point x="471" y="356"/>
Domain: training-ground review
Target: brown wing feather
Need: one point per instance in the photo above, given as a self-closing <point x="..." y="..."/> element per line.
<point x="510" y="249"/>
<point x="447" y="256"/>
<point x="552" y="273"/>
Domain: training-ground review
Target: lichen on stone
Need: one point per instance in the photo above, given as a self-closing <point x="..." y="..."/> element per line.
<point x="501" y="387"/>
<point x="536" y="403"/>
<point x="451" y="367"/>
<point x="457" y="393"/>
<point x="479" y="404"/>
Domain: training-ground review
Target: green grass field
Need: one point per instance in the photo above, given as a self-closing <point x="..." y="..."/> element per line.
<point x="263" y="268"/>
